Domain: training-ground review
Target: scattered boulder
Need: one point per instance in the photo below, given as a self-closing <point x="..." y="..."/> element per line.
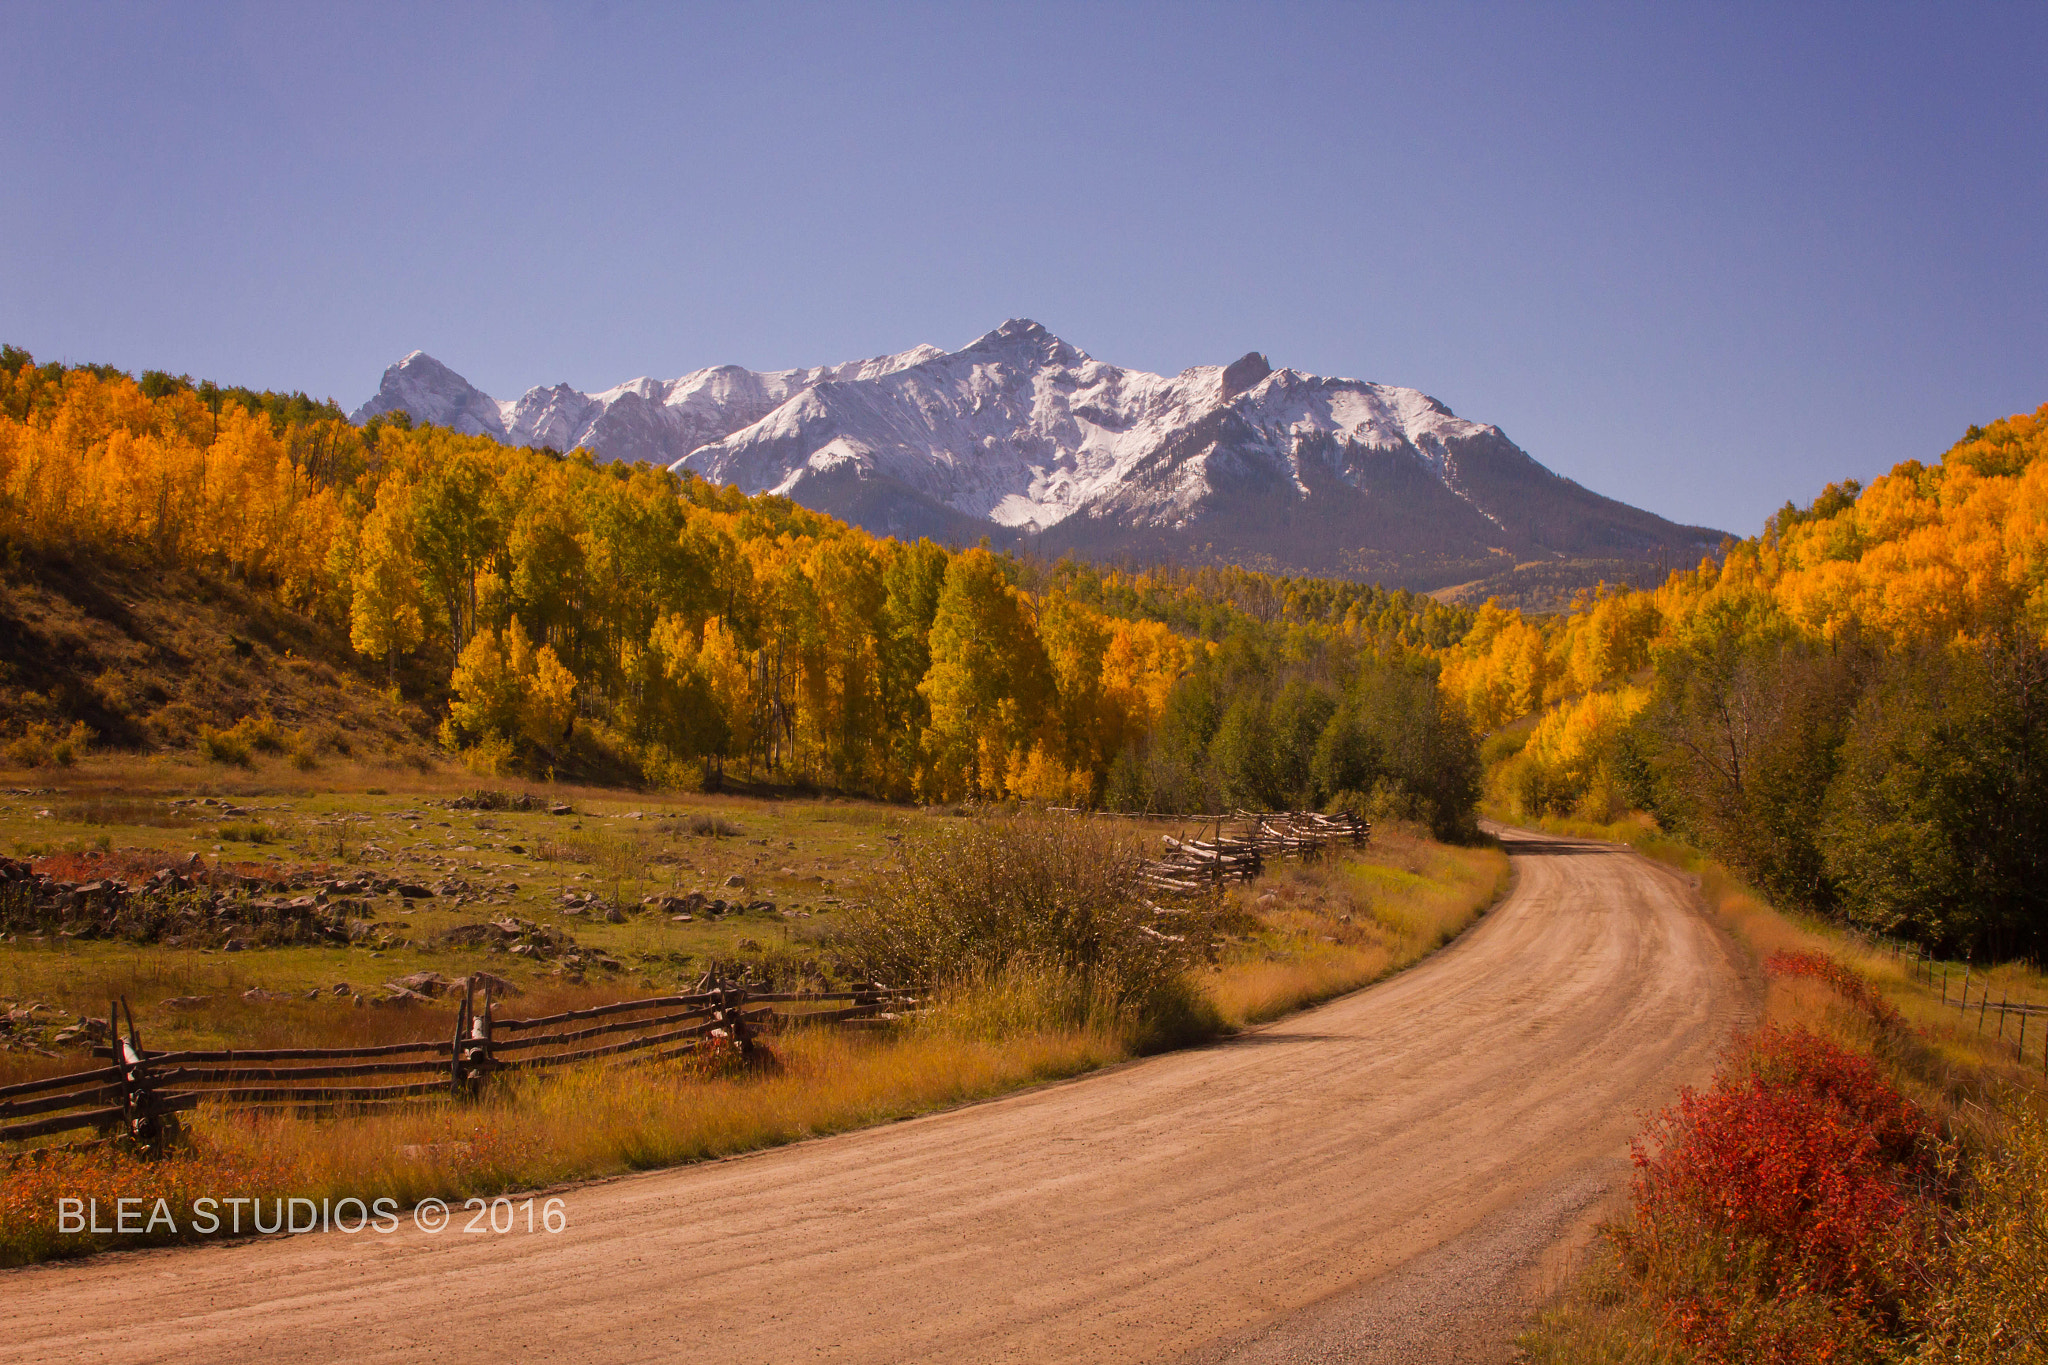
<point x="497" y="985"/>
<point x="428" y="984"/>
<point x="188" y="1002"/>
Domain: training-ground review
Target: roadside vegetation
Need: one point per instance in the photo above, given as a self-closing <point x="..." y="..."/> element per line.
<point x="1865" y="1180"/>
<point x="1842" y="727"/>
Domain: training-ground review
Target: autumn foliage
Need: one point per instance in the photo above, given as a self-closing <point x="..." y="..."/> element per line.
<point x="1849" y="709"/>
<point x="101" y="1176"/>
<point x="1783" y="1214"/>
<point x="683" y="630"/>
<point x="1843" y="979"/>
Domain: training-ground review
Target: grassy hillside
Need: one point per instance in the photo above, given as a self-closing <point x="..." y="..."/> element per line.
<point x="146" y="658"/>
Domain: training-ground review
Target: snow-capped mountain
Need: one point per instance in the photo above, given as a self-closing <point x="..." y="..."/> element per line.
<point x="1026" y="439"/>
<point x="641" y="419"/>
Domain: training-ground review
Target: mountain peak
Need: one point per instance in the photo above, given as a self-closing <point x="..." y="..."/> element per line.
<point x="1022" y="436"/>
<point x="1022" y="334"/>
<point x="431" y="392"/>
<point x="1244" y="373"/>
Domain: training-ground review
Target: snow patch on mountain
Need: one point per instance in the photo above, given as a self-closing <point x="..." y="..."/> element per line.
<point x="1024" y="430"/>
<point x="1020" y="433"/>
<point x="641" y="419"/>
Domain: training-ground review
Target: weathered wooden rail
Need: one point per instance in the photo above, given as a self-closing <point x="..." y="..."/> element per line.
<point x="1240" y="846"/>
<point x="137" y="1094"/>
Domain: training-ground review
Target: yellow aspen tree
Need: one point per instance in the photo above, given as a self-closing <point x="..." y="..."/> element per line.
<point x="386" y="618"/>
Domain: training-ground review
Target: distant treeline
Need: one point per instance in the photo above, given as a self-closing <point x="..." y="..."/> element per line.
<point x="692" y="631"/>
<point x="1852" y="710"/>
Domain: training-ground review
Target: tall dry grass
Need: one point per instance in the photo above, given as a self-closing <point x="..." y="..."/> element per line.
<point x="1991" y="1303"/>
<point x="534" y="1132"/>
<point x="1346" y="921"/>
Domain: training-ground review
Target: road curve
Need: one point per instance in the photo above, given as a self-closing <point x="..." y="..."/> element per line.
<point x="1373" y="1179"/>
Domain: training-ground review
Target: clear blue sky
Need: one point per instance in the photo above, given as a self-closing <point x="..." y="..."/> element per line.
<point x="1700" y="258"/>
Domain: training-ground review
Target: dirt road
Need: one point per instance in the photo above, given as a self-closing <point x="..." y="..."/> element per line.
<point x="1376" y="1179"/>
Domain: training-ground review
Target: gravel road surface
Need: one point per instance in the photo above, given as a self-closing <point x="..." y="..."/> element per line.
<point x="1386" y="1178"/>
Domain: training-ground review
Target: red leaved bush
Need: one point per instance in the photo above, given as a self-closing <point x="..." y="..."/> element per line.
<point x="1847" y="983"/>
<point x="1784" y="1214"/>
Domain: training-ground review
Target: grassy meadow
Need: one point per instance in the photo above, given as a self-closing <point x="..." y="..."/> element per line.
<point x="1300" y="934"/>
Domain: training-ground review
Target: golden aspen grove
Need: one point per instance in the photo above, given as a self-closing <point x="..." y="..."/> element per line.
<point x="1851" y="707"/>
<point x="553" y="613"/>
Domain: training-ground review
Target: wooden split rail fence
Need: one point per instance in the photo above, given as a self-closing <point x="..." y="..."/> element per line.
<point x="1240" y="845"/>
<point x="139" y="1090"/>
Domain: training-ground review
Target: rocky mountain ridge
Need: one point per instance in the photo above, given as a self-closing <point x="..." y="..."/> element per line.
<point x="1021" y="437"/>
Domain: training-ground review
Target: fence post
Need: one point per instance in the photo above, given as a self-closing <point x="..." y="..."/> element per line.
<point x="138" y="1094"/>
<point x="114" y="1050"/>
<point x="455" y="1047"/>
<point x="742" y="1031"/>
<point x="483" y="1057"/>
